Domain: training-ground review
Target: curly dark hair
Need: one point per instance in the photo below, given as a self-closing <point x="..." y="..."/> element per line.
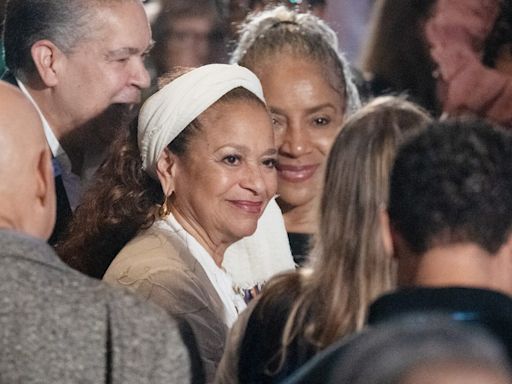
<point x="453" y="183"/>
<point x="118" y="204"/>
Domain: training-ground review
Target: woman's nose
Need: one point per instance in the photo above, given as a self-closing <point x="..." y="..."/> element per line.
<point x="295" y="141"/>
<point x="254" y="179"/>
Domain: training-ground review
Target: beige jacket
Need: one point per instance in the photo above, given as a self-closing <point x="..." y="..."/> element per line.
<point x="158" y="267"/>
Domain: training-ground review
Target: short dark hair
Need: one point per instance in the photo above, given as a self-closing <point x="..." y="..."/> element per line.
<point x="64" y="22"/>
<point x="453" y="183"/>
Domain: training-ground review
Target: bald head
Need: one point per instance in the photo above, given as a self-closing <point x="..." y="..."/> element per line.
<point x="27" y="195"/>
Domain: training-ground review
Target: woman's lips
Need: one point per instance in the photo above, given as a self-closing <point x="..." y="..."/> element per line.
<point x="296" y="174"/>
<point x="254" y="207"/>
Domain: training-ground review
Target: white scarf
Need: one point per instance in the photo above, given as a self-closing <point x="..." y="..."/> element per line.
<point x="233" y="302"/>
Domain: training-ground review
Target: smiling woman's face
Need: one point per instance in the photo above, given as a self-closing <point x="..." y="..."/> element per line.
<point x="227" y="176"/>
<point x="307" y="115"/>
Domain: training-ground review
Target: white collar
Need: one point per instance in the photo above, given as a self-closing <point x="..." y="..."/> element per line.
<point x="57" y="150"/>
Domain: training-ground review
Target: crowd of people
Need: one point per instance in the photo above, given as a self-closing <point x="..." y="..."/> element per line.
<point x="211" y="192"/>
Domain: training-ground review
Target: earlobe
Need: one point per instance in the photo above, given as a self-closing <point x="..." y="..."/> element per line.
<point x="165" y="170"/>
<point x="45" y="191"/>
<point x="45" y="180"/>
<point x="46" y="55"/>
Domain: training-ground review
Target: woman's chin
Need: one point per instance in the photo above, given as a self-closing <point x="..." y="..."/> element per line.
<point x="244" y="230"/>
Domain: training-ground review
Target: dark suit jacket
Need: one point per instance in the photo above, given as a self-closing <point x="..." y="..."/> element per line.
<point x="64" y="212"/>
<point x="491" y="310"/>
<point x="59" y="326"/>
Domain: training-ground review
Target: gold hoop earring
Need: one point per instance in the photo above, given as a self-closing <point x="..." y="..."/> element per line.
<point x="165" y="209"/>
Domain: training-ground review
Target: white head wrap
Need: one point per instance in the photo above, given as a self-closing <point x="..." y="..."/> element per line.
<point x="170" y="110"/>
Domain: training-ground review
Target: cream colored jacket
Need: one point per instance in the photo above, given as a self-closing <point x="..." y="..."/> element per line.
<point x="157" y="266"/>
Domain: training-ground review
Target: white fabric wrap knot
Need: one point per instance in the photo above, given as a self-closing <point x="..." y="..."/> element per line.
<point x="170" y="110"/>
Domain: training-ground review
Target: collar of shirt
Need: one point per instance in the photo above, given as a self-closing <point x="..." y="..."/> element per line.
<point x="61" y="163"/>
<point x="53" y="143"/>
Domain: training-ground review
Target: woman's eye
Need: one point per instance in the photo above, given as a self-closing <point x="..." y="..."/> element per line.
<point x="276" y="121"/>
<point x="231" y="160"/>
<point x="270" y="163"/>
<point x="321" y="120"/>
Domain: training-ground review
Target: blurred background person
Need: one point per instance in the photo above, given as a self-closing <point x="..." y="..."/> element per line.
<point x="192" y="178"/>
<point x="187" y="34"/>
<point x="301" y="313"/>
<point x="309" y="90"/>
<point x="471" y="46"/>
<point x="448" y="56"/>
<point x="350" y="19"/>
<point x="396" y="56"/>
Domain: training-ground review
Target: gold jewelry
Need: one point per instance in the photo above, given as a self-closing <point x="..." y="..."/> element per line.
<point x="164" y="209"/>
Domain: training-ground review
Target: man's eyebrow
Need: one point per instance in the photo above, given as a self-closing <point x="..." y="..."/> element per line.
<point x="128" y="51"/>
<point x="121" y="51"/>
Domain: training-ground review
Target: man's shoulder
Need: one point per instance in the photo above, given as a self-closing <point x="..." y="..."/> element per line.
<point x="80" y="314"/>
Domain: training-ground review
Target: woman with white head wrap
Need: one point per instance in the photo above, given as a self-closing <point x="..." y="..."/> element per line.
<point x="206" y="141"/>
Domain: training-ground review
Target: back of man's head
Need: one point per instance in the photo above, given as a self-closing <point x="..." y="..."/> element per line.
<point x="453" y="184"/>
<point x="27" y="194"/>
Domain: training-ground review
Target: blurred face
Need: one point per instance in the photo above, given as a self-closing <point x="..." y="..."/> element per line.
<point x="189" y="42"/>
<point x="307" y="115"/>
<point x="504" y="59"/>
<point x="107" y="67"/>
<point x="225" y="180"/>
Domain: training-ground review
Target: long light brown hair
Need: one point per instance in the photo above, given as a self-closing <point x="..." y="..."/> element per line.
<point x="348" y="266"/>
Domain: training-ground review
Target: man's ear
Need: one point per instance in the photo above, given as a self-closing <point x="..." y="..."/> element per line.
<point x="46" y="56"/>
<point x="166" y="171"/>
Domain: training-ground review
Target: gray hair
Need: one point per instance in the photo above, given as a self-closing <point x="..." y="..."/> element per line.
<point x="63" y="22"/>
<point x="266" y="33"/>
